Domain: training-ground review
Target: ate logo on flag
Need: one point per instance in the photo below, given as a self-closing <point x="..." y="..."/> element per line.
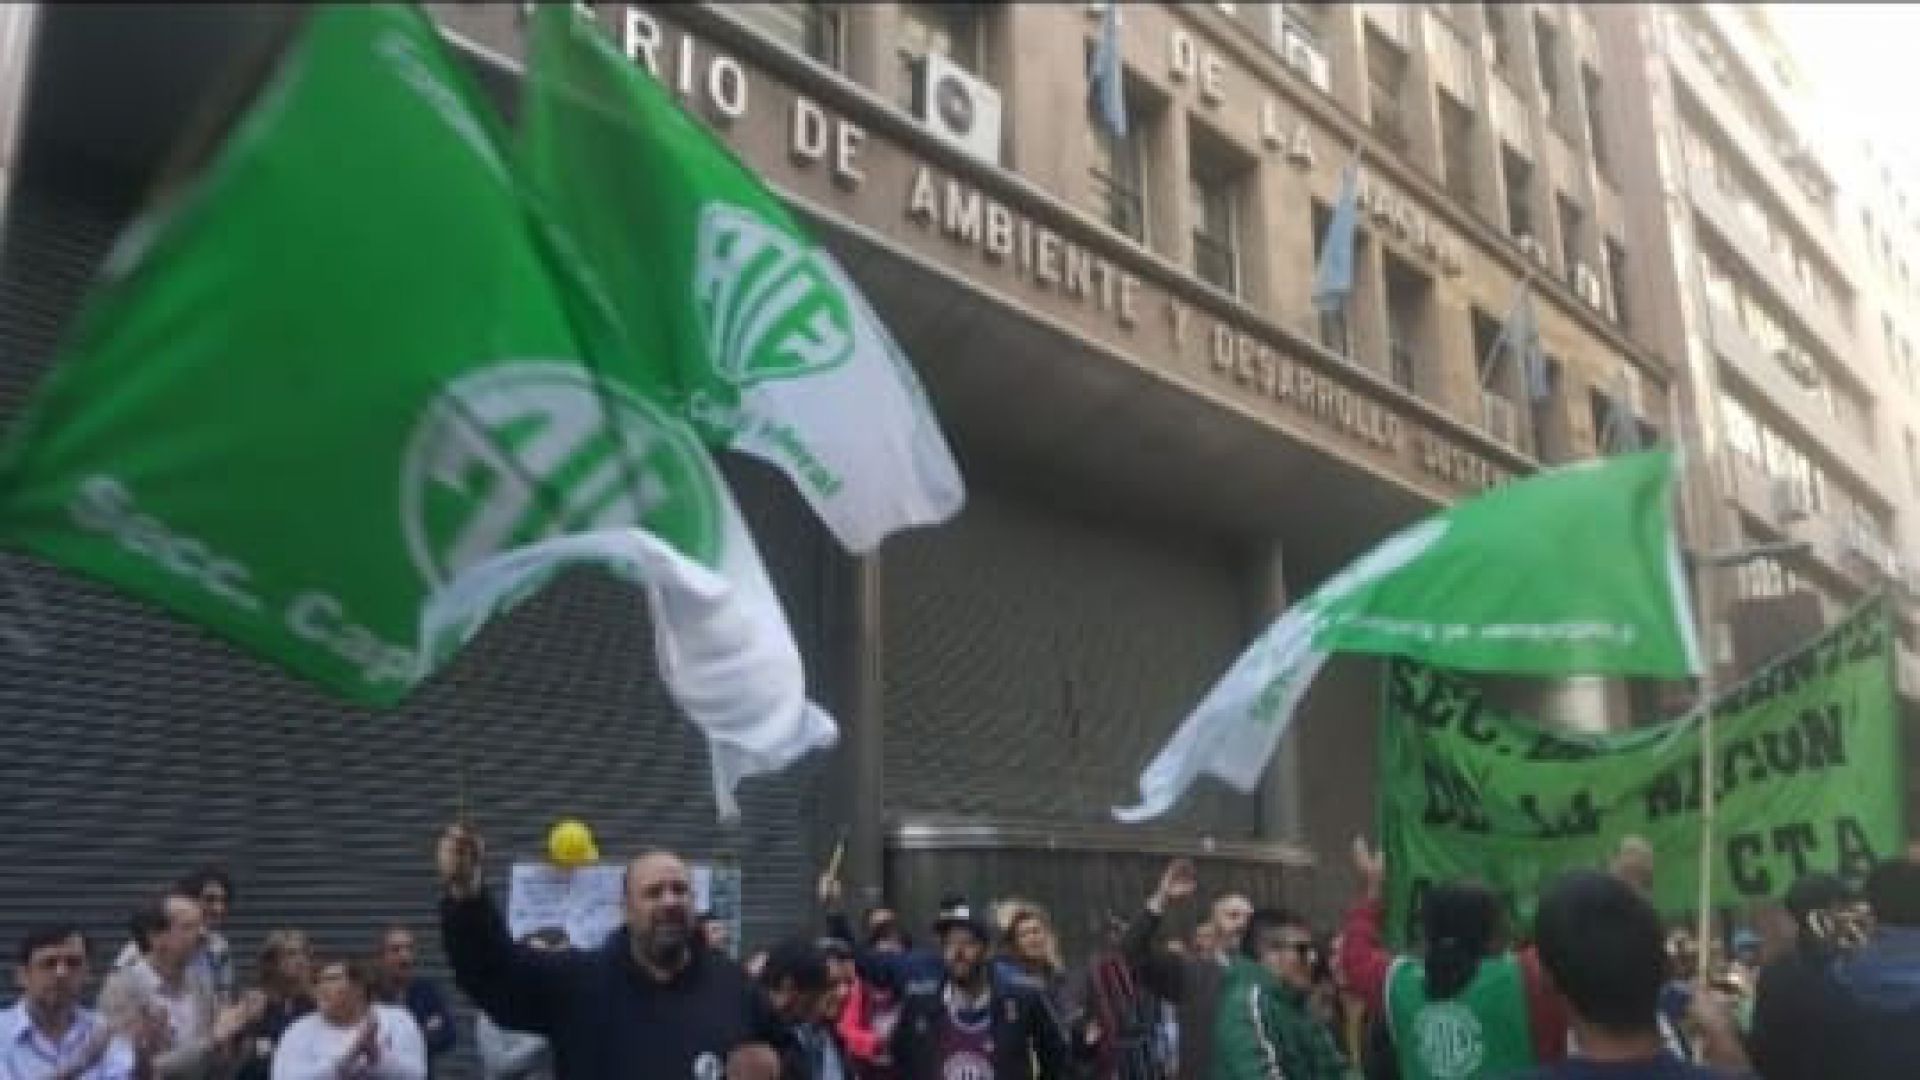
<point x="520" y="452"/>
<point x="769" y="308"/>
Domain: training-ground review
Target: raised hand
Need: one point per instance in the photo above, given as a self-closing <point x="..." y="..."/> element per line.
<point x="460" y="855"/>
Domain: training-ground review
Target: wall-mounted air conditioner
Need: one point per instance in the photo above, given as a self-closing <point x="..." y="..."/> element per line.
<point x="957" y="106"/>
<point x="1303" y="56"/>
<point x="1587" y="284"/>
<point x="1789" y="500"/>
<point x="1502" y="420"/>
<point x="1799" y="365"/>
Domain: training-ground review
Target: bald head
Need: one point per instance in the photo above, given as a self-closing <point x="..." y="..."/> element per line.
<point x="1633" y="864"/>
<point x="659" y="910"/>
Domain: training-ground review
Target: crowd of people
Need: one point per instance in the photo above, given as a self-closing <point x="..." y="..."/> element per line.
<point x="1597" y="987"/>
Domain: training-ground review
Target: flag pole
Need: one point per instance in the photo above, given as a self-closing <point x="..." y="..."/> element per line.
<point x="1699" y="466"/>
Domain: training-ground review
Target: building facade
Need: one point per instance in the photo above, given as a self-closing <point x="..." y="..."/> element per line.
<point x="1762" y="287"/>
<point x="1163" y="442"/>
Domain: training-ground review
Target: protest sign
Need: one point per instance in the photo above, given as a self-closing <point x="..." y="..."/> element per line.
<point x="587" y="904"/>
<point x="1807" y="780"/>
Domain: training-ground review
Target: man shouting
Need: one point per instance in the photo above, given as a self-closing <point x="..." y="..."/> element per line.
<point x="654" y="1001"/>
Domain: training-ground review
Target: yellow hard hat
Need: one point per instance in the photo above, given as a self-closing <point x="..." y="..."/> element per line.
<point x="570" y="844"/>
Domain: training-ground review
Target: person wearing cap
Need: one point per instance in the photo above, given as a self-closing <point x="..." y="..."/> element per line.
<point x="1870" y="1028"/>
<point x="967" y="1023"/>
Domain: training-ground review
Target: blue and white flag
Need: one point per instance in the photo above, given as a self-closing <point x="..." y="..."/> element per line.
<point x="1106" y="79"/>
<point x="1333" y="277"/>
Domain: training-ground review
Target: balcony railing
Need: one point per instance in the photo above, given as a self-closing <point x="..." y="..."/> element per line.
<point x="1814" y="220"/>
<point x="1764" y="375"/>
<point x="1812" y="314"/>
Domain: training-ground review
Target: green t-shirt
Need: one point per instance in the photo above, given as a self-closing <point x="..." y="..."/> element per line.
<point x="1481" y="1031"/>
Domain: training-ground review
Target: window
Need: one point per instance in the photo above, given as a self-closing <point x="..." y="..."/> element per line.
<point x="1386" y="75"/>
<point x="805" y="27"/>
<point x="1913" y="461"/>
<point x="1519" y="176"/>
<point x="1213" y="189"/>
<point x="1573" y="235"/>
<point x="1500" y="29"/>
<point x="1908" y="373"/>
<point x="1590" y="87"/>
<point x="1546" y="43"/>
<point x="1488" y="361"/>
<point x="1333" y="324"/>
<point x="1120" y="172"/>
<point x="1456" y="148"/>
<point x="1409" y="294"/>
<point x="954" y="31"/>
<point x="1617" y="278"/>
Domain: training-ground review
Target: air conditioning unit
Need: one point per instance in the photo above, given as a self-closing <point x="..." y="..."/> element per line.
<point x="1502" y="419"/>
<point x="1799" y="365"/>
<point x="958" y="107"/>
<point x="1587" y="284"/>
<point x="1304" y="57"/>
<point x="1789" y="500"/>
<point x="1532" y="248"/>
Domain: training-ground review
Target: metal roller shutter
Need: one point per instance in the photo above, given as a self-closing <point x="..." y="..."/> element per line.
<point x="137" y="745"/>
<point x="995" y="622"/>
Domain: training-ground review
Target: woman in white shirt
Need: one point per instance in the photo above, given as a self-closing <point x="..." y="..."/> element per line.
<point x="351" y="1036"/>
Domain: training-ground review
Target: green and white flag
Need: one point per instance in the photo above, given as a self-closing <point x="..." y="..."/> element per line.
<point x="773" y="351"/>
<point x="1575" y="571"/>
<point x="333" y="403"/>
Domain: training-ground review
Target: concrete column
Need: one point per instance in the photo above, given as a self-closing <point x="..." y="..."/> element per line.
<point x="1169" y="165"/>
<point x="856" y="793"/>
<point x="869" y="41"/>
<point x="1367" y="311"/>
<point x="1281" y="801"/>
<point x="1345" y="42"/>
<point x="19" y="24"/>
<point x="1419" y="98"/>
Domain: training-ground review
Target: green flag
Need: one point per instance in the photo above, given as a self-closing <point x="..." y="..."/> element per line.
<point x="1575" y="571"/>
<point x="770" y="349"/>
<point x="333" y="403"/>
<point x="1807" y="778"/>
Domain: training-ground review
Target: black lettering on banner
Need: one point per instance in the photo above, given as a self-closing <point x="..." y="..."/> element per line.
<point x="1797" y="840"/>
<point x="1856" y="859"/>
<point x="1550" y="747"/>
<point x="1452" y="800"/>
<point x="1579" y="818"/>
<point x="1749" y="879"/>
<point x="1825" y="748"/>
<point x="1675" y="791"/>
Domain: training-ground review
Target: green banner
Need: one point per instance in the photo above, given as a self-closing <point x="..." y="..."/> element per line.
<point x="1807" y="778"/>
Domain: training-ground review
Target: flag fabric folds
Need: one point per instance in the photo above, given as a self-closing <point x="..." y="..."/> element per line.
<point x="1575" y="571"/>
<point x="1333" y="275"/>
<point x="753" y="332"/>
<point x="1106" y="78"/>
<point x="337" y="403"/>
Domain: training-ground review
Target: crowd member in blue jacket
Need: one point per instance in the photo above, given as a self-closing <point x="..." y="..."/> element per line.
<point x="420" y="996"/>
<point x="654" y="1001"/>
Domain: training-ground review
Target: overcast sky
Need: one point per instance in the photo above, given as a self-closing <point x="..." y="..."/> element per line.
<point x="1864" y="63"/>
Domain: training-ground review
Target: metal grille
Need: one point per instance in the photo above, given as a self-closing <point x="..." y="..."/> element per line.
<point x="1036" y="661"/>
<point x="138" y="745"/>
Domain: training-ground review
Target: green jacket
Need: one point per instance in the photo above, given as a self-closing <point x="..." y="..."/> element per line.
<point x="1262" y="1031"/>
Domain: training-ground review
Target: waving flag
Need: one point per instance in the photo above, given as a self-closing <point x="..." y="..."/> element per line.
<point x="1333" y="275"/>
<point x="1573" y="572"/>
<point x="767" y="346"/>
<point x="337" y="404"/>
<point x="1106" y="76"/>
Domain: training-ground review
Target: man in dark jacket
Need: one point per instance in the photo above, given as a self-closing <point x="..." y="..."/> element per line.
<point x="1191" y="983"/>
<point x="966" y="1024"/>
<point x="1878" y="1030"/>
<point x="652" y="1002"/>
<point x="1795" y="990"/>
